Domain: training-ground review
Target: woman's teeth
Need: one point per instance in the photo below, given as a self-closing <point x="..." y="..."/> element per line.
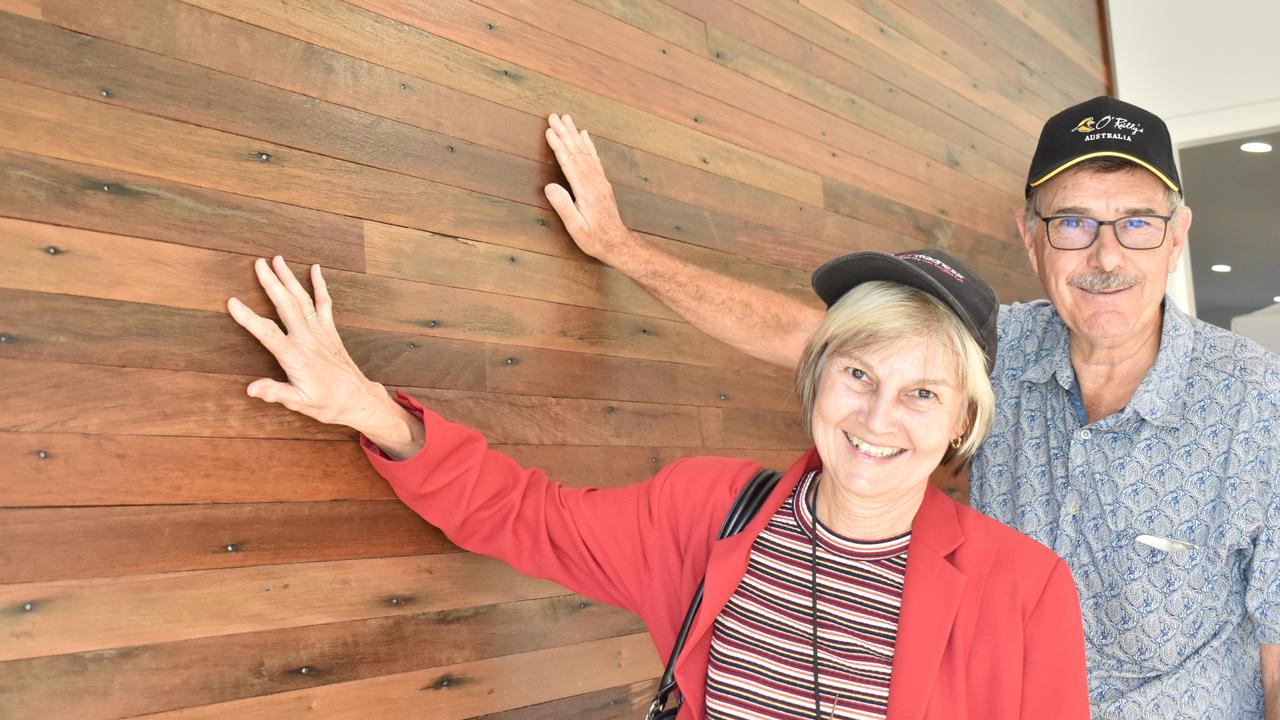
<point x="880" y="451"/>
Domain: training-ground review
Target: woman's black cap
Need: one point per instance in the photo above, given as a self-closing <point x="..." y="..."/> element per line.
<point x="931" y="271"/>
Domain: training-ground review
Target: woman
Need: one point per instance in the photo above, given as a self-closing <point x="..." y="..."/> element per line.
<point x="914" y="605"/>
<point x="857" y="591"/>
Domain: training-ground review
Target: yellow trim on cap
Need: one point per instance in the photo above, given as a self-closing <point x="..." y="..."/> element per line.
<point x="1107" y="153"/>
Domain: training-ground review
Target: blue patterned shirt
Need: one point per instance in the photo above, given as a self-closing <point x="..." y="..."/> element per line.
<point x="1173" y="621"/>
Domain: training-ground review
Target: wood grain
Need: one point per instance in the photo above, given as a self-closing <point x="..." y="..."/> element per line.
<point x="149" y="539"/>
<point x="459" y="691"/>
<point x="171" y="548"/>
<point x="71" y="616"/>
<point x="103" y="684"/>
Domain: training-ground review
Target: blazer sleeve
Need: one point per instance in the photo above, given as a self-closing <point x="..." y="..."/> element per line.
<point x="1055" y="683"/>
<point x="599" y="543"/>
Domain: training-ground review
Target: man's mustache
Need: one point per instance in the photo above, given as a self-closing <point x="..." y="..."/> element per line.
<point x="1104" y="281"/>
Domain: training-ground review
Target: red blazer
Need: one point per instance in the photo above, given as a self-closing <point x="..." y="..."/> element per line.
<point x="989" y="627"/>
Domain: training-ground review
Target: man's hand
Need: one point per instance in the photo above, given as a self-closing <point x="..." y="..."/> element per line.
<point x="591" y="214"/>
<point x="324" y="383"/>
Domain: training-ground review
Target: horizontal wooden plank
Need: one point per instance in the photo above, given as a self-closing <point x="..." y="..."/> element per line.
<point x="357" y="32"/>
<point x="68" y="398"/>
<point x="155" y="539"/>
<point x="53" y="468"/>
<point x="418" y="255"/>
<point x="458" y="691"/>
<point x="68" y="616"/>
<point x="653" y="214"/>
<point x="530" y="371"/>
<point x="62" y="193"/>
<point x="617" y="703"/>
<point x="612" y="466"/>
<point x="114" y="267"/>
<point x="72" y="329"/>
<point x="25" y="8"/>
<point x="658" y="19"/>
<point x="105" y="684"/>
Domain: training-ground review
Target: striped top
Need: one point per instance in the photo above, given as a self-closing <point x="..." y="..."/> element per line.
<point x="761" y="663"/>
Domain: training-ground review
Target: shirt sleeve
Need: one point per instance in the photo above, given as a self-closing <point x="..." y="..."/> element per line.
<point x="600" y="543"/>
<point x="1262" y="596"/>
<point x="1054" y="680"/>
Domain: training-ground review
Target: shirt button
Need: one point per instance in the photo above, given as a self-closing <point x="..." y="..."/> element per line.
<point x="1085" y="434"/>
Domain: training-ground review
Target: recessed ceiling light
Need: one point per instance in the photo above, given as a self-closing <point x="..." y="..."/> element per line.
<point x="1220" y="268"/>
<point x="1276" y="298"/>
<point x="1256" y="147"/>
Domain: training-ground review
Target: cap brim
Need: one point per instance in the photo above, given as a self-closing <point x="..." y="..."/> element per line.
<point x="1105" y="153"/>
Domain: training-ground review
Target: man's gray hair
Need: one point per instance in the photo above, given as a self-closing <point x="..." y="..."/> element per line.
<point x="1173" y="198"/>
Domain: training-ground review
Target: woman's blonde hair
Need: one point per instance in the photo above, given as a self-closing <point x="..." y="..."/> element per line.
<point x="879" y="312"/>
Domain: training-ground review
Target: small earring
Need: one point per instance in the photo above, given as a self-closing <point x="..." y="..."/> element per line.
<point x="955" y="442"/>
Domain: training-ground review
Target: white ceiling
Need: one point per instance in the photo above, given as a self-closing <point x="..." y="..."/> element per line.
<point x="1211" y="70"/>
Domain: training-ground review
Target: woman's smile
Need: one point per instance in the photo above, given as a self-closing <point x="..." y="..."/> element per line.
<point x="877" y="452"/>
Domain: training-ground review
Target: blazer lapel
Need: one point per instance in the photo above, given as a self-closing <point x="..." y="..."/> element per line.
<point x="931" y="595"/>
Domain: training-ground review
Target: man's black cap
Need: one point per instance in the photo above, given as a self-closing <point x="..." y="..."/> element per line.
<point x="931" y="271"/>
<point x="1103" y="127"/>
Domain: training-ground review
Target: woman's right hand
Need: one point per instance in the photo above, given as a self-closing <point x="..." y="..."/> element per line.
<point x="324" y="383"/>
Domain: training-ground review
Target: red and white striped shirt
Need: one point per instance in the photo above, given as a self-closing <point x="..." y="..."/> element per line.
<point x="761" y="663"/>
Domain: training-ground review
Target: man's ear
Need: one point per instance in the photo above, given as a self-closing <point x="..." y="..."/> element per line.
<point x="1178" y="241"/>
<point x="1026" y="228"/>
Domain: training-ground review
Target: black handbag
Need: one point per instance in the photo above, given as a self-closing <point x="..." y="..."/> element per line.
<point x="744" y="508"/>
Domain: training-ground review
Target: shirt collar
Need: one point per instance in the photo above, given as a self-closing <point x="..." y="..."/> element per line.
<point x="1159" y="397"/>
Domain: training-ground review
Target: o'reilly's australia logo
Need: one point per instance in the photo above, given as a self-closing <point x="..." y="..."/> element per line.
<point x="1108" y="127"/>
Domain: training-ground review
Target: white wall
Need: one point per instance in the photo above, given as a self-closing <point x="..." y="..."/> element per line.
<point x="1211" y="70"/>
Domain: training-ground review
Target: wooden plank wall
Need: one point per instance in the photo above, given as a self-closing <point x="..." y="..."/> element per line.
<point x="170" y="547"/>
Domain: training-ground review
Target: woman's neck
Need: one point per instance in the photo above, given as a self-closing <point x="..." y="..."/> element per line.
<point x="862" y="518"/>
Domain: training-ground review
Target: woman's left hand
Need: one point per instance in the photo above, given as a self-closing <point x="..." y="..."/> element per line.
<point x="323" y="381"/>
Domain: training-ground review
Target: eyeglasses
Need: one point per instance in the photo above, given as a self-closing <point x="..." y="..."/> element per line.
<point x="1077" y="232"/>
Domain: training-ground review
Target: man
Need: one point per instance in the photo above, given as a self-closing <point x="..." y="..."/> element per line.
<point x="1140" y="444"/>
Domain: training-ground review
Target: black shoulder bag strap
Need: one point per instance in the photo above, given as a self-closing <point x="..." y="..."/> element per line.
<point x="744" y="508"/>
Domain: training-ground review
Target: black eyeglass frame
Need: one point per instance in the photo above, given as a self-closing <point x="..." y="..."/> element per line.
<point x="1098" y="230"/>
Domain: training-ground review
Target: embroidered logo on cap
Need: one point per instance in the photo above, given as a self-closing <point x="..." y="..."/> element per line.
<point x="1109" y="127"/>
<point x="935" y="262"/>
<point x="1085" y="126"/>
